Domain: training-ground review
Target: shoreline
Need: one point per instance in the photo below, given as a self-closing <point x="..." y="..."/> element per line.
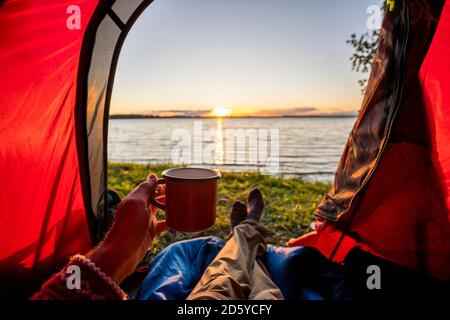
<point x="132" y="116"/>
<point x="307" y="176"/>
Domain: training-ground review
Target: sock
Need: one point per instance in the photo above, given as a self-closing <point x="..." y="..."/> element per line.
<point x="238" y="213"/>
<point x="255" y="205"/>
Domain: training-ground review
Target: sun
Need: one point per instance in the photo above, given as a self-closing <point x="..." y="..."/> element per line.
<point x="220" y="112"/>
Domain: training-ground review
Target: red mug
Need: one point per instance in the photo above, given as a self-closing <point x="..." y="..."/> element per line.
<point x="190" y="202"/>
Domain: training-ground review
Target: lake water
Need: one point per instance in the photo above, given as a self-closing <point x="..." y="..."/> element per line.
<point x="309" y="147"/>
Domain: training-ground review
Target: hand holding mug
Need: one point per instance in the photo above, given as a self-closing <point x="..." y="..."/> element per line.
<point x="131" y="234"/>
<point x="190" y="198"/>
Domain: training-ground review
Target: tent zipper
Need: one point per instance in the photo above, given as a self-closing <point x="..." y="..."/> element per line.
<point x="401" y="70"/>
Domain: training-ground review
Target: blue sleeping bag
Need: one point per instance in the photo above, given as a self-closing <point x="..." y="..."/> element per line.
<point x="300" y="273"/>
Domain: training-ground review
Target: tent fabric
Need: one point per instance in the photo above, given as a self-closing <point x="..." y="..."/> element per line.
<point x="41" y="196"/>
<point x="401" y="213"/>
<point x="383" y="99"/>
<point x="108" y="39"/>
<point x="434" y="77"/>
<point x="54" y="101"/>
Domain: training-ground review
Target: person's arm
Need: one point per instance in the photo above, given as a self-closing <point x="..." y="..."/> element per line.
<point x="116" y="257"/>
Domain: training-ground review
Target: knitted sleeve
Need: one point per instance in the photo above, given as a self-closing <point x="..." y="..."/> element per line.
<point x="80" y="280"/>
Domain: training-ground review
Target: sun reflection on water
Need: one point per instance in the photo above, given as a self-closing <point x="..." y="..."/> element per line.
<point x="219" y="153"/>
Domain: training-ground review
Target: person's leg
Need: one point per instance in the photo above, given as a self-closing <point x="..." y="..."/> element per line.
<point x="263" y="288"/>
<point x="238" y="272"/>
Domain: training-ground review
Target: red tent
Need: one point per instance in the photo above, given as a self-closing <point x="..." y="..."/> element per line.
<point x="391" y="190"/>
<point x="58" y="59"/>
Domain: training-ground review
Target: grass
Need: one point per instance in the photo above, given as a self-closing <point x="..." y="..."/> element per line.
<point x="289" y="202"/>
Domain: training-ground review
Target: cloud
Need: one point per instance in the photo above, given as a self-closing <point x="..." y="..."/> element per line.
<point x="178" y="113"/>
<point x="280" y="112"/>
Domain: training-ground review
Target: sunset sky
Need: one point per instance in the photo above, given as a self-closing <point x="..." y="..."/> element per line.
<point x="246" y="56"/>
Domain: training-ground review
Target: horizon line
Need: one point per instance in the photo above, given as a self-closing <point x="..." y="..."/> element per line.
<point x="143" y="116"/>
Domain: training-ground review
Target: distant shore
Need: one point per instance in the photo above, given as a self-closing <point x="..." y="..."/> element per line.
<point x="141" y="116"/>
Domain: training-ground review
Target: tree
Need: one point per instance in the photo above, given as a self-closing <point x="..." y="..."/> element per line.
<point x="365" y="46"/>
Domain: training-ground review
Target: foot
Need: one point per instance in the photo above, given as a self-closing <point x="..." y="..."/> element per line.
<point x="238" y="213"/>
<point x="255" y="205"/>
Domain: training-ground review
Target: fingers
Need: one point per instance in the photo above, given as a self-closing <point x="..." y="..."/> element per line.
<point x="160" y="189"/>
<point x="154" y="209"/>
<point x="146" y="188"/>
